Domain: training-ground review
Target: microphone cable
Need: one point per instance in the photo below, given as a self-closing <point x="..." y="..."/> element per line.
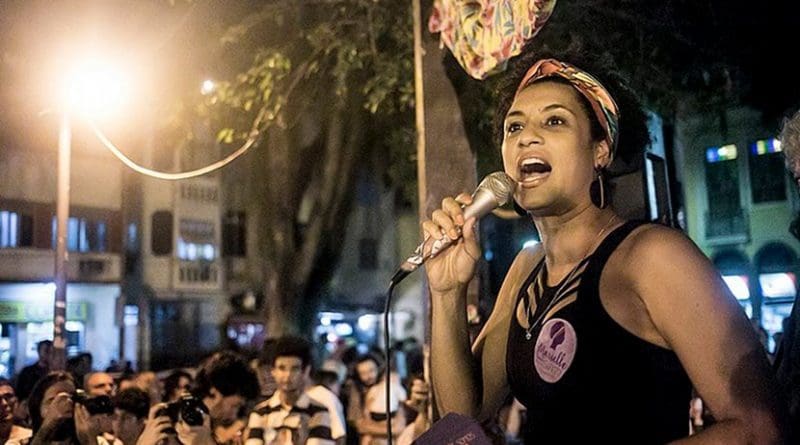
<point x="388" y="355"/>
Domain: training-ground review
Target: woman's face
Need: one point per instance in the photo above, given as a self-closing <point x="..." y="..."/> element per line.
<point x="548" y="150"/>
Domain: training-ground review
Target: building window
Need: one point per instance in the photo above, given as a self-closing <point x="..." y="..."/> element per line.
<point x="16" y="229"/>
<point x="161" y="231"/>
<point x="196" y="240"/>
<point x="767" y="171"/>
<point x="83" y="235"/>
<point x="725" y="215"/>
<point x="9" y="229"/>
<point x="234" y="234"/>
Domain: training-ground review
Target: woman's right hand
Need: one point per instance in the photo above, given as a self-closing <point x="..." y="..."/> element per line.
<point x="454" y="266"/>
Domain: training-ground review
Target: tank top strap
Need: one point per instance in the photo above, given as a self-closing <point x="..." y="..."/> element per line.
<point x="591" y="276"/>
<point x="523" y="290"/>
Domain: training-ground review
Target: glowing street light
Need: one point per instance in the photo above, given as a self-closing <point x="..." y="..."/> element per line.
<point x="90" y="88"/>
<point x="93" y="87"/>
<point x="207" y="87"/>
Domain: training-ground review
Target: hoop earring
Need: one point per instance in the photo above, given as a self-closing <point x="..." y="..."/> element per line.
<point x="597" y="191"/>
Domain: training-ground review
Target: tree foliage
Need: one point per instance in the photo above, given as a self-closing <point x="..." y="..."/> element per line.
<point x="328" y="87"/>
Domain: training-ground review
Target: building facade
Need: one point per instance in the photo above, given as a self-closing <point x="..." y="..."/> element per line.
<point x="739" y="202"/>
<point x="95" y="311"/>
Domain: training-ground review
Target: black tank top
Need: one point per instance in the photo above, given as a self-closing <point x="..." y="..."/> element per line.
<point x="582" y="375"/>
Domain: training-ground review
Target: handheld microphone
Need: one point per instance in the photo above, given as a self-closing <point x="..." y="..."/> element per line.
<point x="495" y="190"/>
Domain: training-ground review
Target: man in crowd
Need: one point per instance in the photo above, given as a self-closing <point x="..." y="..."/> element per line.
<point x="290" y="416"/>
<point x="131" y="407"/>
<point x="224" y="383"/>
<point x="99" y="384"/>
<point x="366" y="411"/>
<point x="10" y="434"/>
<point x="32" y="373"/>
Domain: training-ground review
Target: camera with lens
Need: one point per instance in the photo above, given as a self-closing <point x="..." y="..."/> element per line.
<point x="94" y="404"/>
<point x="188" y="407"/>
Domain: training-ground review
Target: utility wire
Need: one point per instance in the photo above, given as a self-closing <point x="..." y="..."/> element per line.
<point x="173" y="176"/>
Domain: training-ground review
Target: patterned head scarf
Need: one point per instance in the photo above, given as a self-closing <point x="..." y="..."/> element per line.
<point x="602" y="103"/>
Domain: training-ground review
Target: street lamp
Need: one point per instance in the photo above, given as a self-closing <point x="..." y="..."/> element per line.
<point x="91" y="88"/>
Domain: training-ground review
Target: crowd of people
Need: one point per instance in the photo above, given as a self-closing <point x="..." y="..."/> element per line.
<point x="285" y="395"/>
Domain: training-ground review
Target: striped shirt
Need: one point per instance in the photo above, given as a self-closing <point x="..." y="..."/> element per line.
<point x="308" y="422"/>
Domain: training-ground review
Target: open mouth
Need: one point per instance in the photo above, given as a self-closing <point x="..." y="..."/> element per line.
<point x="531" y="169"/>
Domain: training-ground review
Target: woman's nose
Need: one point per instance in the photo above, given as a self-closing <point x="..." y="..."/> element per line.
<point x="530" y="135"/>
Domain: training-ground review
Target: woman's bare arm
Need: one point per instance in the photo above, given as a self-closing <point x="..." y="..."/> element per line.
<point x="692" y="309"/>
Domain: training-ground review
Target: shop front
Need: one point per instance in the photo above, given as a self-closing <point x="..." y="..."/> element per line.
<point x="26" y="318"/>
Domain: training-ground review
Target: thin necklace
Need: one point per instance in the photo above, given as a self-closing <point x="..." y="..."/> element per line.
<point x="559" y="295"/>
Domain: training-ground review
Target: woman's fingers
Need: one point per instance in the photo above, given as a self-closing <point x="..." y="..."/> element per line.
<point x="454" y="209"/>
<point x="464" y="199"/>
<point x="446" y="222"/>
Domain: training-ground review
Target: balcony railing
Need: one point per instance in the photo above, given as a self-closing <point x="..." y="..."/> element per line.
<point x="197" y="275"/>
<point x="29" y="264"/>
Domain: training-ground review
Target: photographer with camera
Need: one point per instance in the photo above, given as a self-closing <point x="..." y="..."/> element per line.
<point x="60" y="414"/>
<point x="222" y="386"/>
<point x="100" y="387"/>
<point x="99" y="383"/>
<point x="131" y="407"/>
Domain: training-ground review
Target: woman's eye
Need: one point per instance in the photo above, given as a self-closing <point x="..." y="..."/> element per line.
<point x="554" y="120"/>
<point x="514" y="127"/>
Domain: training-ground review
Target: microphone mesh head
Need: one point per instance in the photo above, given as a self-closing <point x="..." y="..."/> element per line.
<point x="500" y="185"/>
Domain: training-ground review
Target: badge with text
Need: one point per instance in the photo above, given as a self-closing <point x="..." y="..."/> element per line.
<point x="555" y="349"/>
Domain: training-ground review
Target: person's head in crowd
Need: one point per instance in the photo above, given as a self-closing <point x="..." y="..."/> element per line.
<point x="42" y="401"/>
<point x="368" y="369"/>
<point x="99" y="384"/>
<point x="8" y="402"/>
<point x="262" y="366"/>
<point x="79" y="366"/>
<point x="131" y="407"/>
<point x="291" y="364"/>
<point x="44" y="349"/>
<point x="176" y="383"/>
<point x="329" y="380"/>
<point x="150" y="383"/>
<point x="337" y="367"/>
<point x="126" y="381"/>
<point x="790" y="145"/>
<point x="224" y="383"/>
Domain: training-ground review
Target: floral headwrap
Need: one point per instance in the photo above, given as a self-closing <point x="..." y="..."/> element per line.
<point x="602" y="103"/>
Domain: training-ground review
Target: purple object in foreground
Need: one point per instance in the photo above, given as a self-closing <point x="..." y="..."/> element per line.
<point x="454" y="429"/>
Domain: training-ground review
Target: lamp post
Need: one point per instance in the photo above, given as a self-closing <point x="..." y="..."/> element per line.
<point x="91" y="87"/>
<point x="62" y="218"/>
